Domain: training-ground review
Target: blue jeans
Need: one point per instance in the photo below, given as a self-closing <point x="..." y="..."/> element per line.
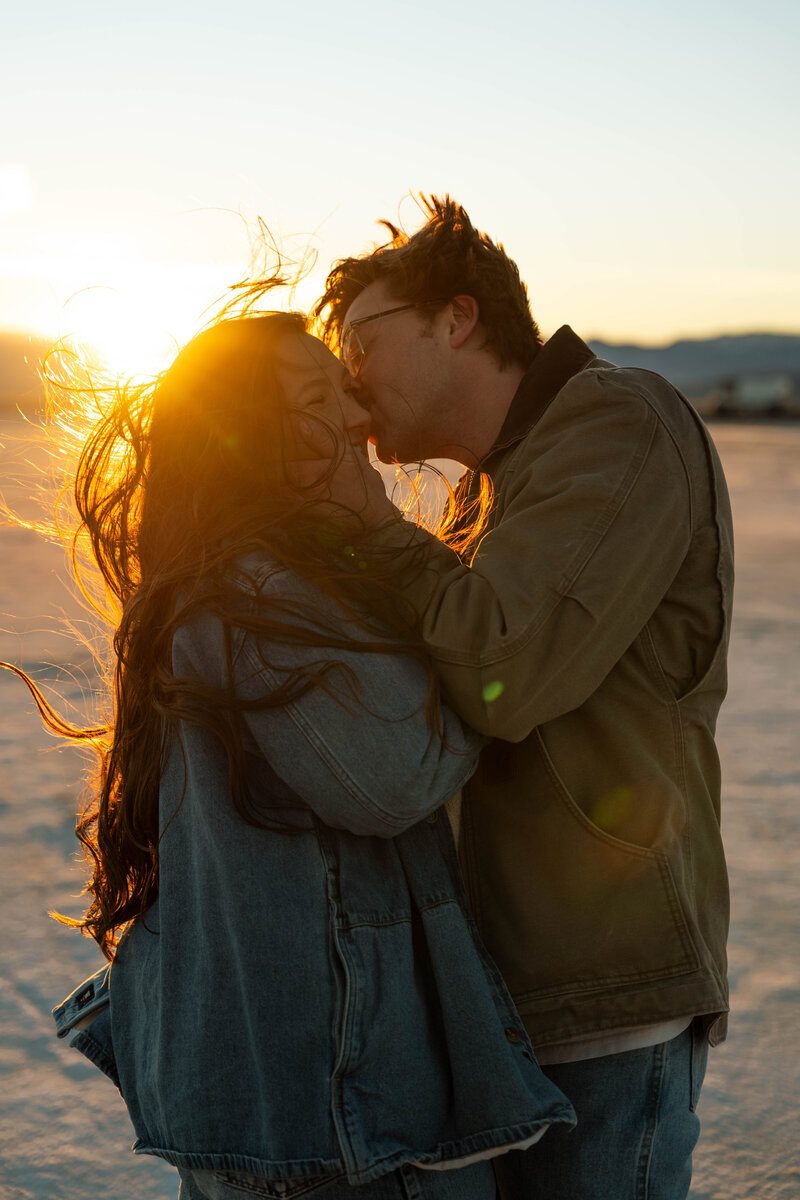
<point x="408" y="1183"/>
<point x="636" y="1128"/>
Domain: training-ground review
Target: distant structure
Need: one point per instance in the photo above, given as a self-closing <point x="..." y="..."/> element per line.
<point x="752" y="396"/>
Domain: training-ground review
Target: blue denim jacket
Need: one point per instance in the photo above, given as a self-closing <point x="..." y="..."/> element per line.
<point x="315" y="1002"/>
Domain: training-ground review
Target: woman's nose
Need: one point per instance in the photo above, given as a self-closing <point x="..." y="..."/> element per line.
<point x="356" y="415"/>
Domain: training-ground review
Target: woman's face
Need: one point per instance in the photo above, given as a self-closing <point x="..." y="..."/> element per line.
<point x="317" y="386"/>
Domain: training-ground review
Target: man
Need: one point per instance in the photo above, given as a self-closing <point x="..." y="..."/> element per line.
<point x="585" y="632"/>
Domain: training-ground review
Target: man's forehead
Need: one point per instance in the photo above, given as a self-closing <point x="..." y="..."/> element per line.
<point x="373" y="298"/>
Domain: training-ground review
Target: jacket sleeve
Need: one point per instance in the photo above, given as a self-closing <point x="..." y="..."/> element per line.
<point x="595" y="522"/>
<point x="363" y="758"/>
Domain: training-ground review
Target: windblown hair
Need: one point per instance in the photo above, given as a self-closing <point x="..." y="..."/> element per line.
<point x="447" y="257"/>
<point x="178" y="482"/>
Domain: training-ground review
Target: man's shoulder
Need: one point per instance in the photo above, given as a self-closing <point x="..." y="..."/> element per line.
<point x="601" y="419"/>
<point x="607" y="383"/>
<point x="605" y="396"/>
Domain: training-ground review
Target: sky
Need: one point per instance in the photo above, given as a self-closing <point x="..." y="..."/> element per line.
<point x="638" y="160"/>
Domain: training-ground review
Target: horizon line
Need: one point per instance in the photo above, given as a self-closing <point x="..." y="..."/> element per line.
<point x="646" y="344"/>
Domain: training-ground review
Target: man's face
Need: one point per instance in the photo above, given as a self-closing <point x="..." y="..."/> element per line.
<point x="402" y="378"/>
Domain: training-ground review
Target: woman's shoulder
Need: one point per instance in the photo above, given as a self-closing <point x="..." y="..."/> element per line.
<point x="267" y="587"/>
<point x="250" y="578"/>
<point x="252" y="573"/>
<point x="260" y="574"/>
<point x="276" y="606"/>
<point x="301" y="598"/>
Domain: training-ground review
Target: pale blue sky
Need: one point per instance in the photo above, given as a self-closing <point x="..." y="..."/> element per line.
<point x="640" y="161"/>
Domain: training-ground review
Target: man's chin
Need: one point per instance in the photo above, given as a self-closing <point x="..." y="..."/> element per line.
<point x="388" y="454"/>
<point x="382" y="451"/>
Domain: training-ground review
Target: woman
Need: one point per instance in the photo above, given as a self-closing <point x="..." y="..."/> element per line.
<point x="298" y="1002"/>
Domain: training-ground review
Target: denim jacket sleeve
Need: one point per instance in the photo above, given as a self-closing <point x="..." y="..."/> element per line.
<point x="364" y="759"/>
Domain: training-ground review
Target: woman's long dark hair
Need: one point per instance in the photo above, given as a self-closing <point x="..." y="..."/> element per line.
<point x="177" y="484"/>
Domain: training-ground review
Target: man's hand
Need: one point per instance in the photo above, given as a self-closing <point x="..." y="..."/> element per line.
<point x="327" y="468"/>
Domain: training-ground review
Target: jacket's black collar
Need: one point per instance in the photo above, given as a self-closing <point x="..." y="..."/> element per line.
<point x="561" y="357"/>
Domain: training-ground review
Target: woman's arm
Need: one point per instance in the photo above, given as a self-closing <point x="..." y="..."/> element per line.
<point x="371" y="764"/>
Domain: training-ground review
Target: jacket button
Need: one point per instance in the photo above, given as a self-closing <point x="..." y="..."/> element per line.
<point x="432" y="818"/>
<point x="513" y="1035"/>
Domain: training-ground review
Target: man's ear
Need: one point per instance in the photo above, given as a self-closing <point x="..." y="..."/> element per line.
<point x="464" y="317"/>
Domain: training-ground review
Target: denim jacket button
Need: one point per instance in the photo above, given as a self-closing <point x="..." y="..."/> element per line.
<point x="432" y="818"/>
<point x="513" y="1035"/>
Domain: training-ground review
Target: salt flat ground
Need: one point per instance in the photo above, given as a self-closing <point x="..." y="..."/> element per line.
<point x="64" y="1133"/>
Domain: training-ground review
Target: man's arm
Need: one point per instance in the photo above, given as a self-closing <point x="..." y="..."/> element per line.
<point x="595" y="524"/>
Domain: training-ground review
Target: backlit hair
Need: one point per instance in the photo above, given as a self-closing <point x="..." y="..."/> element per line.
<point x="447" y="257"/>
<point x="178" y="481"/>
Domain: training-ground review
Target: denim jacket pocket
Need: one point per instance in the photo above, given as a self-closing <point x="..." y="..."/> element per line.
<point x="94" y="1043"/>
<point x="236" y="1185"/>
<point x="91" y="999"/>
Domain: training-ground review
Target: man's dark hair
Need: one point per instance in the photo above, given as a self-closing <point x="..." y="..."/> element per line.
<point x="447" y="257"/>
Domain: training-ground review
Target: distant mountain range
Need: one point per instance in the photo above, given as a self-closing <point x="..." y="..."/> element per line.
<point x="693" y="365"/>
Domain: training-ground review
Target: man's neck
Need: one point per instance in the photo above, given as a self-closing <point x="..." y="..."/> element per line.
<point x="482" y="408"/>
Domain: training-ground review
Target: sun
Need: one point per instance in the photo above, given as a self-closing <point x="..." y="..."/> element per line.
<point x="133" y="335"/>
<point x="130" y="310"/>
<point x="122" y="334"/>
<point x="134" y="312"/>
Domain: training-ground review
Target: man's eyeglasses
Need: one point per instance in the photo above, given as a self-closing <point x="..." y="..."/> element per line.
<point x="352" y="352"/>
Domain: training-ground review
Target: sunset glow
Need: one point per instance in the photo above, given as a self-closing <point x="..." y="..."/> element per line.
<point x="125" y="334"/>
<point x="134" y="331"/>
<point x="16" y="191"/>
<point x="255" y="628"/>
<point x="134" y="313"/>
<point x="632" y="159"/>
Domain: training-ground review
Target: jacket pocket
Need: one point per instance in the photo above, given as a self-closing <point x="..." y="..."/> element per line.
<point x="94" y="1043"/>
<point x="88" y="999"/>
<point x="715" y="665"/>
<point x="566" y="907"/>
<point x="88" y="1006"/>
<point x="236" y="1185"/>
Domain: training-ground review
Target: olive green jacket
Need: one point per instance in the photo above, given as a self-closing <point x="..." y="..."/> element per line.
<point x="587" y="636"/>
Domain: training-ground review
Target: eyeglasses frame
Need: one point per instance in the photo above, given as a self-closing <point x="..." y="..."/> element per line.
<point x="344" y="353"/>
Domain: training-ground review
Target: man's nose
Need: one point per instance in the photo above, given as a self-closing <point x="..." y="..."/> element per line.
<point x="361" y="394"/>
